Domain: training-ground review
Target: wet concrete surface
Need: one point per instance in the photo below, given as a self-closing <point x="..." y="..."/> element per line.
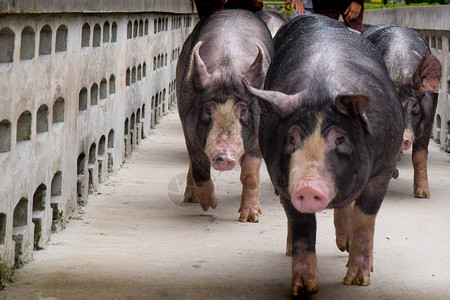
<point x="136" y="240"/>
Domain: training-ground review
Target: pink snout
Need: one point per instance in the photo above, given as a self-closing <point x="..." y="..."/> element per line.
<point x="308" y="199"/>
<point x="223" y="162"/>
<point x="407" y="140"/>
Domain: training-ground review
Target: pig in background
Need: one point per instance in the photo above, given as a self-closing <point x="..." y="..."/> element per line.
<point x="416" y="74"/>
<point x="331" y="131"/>
<point x="272" y="19"/>
<point x="220" y="118"/>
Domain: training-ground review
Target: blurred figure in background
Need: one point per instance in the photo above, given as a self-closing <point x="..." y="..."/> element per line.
<point x="352" y="11"/>
<point x="207" y="7"/>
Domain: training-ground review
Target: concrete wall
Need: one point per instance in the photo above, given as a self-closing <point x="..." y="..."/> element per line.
<point x="432" y="22"/>
<point x="79" y="90"/>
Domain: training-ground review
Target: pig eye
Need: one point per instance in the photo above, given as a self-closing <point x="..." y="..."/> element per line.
<point x="292" y="140"/>
<point x="339" y="140"/>
<point x="207" y="110"/>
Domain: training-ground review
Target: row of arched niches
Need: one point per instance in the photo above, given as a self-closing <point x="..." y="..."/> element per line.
<point x="87" y="127"/>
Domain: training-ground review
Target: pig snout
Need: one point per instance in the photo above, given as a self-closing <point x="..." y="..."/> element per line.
<point x="408" y="138"/>
<point x="223" y="162"/>
<point x="308" y="198"/>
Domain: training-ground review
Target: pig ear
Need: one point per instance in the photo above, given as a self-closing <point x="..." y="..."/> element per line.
<point x="280" y="103"/>
<point x="198" y="73"/>
<point x="254" y="75"/>
<point x="428" y="73"/>
<point x="354" y="106"/>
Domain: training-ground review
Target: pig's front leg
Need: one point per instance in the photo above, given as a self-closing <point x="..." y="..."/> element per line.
<point x="343" y="227"/>
<point x="199" y="186"/>
<point x="365" y="209"/>
<point x="360" y="258"/>
<point x="419" y="160"/>
<point x="250" y="205"/>
<point x="304" y="261"/>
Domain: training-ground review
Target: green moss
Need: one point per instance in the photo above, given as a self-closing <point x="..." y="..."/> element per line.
<point x="5" y="274"/>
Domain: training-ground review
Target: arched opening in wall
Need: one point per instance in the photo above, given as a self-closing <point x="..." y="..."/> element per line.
<point x="81" y="167"/>
<point x="106" y="30"/>
<point x="58" y="111"/>
<point x="133" y="75"/>
<point x="112" y="85"/>
<point x="143" y="111"/>
<point x="103" y="89"/>
<point x="132" y="126"/>
<point x="94" y="94"/>
<point x="128" y="77"/>
<point x="20" y="221"/>
<point x="154" y="63"/>
<point x="2" y="228"/>
<point x="433" y="42"/>
<point x="55" y="199"/>
<point x="5" y="136"/>
<point x="100" y="157"/>
<point x="97" y="36"/>
<point x="61" y="39"/>
<point x="448" y="86"/>
<point x="167" y="23"/>
<point x="27" y="44"/>
<point x="85" y="35"/>
<point x="7" y="48"/>
<point x="39" y="199"/>
<point x="159" y="24"/>
<point x="82" y="100"/>
<point x="164" y="101"/>
<point x="125" y="139"/>
<point x="155" y="25"/>
<point x="141" y="28"/>
<point x="125" y="128"/>
<point x="165" y="59"/>
<point x="42" y="119"/>
<point x="91" y="164"/>
<point x="438" y="128"/>
<point x="110" y="150"/>
<point x="114" y="32"/>
<point x="45" y="41"/>
<point x="144" y="70"/>
<point x="139" y="72"/>
<point x="156" y="108"/>
<point x="447" y="147"/>
<point x="162" y="24"/>
<point x="138" y="116"/>
<point x="158" y="64"/>
<point x="146" y="27"/>
<point x="24" y="127"/>
<point x="439" y="43"/>
<point x="135" y="28"/>
<point x="129" y="30"/>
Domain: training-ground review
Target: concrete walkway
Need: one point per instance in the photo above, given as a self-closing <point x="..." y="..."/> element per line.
<point x="136" y="241"/>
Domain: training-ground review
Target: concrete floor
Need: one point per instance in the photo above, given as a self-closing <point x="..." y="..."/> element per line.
<point x="136" y="241"/>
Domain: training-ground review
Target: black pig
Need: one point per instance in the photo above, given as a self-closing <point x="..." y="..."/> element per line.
<point x="331" y="131"/>
<point x="220" y="118"/>
<point x="416" y="74"/>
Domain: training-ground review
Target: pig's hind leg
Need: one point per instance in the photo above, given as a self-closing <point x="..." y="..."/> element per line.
<point x="199" y="186"/>
<point x="250" y="205"/>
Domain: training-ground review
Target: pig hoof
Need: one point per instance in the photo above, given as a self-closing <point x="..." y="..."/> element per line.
<point x="308" y="288"/>
<point x="343" y="245"/>
<point x="351" y="279"/>
<point x="422" y="192"/>
<point x="207" y="203"/>
<point x="248" y="218"/>
<point x="189" y="195"/>
<point x="395" y="174"/>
